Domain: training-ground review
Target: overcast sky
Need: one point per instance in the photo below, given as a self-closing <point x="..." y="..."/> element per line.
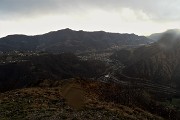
<point x="141" y="17"/>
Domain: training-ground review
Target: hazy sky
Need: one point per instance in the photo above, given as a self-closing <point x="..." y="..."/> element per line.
<point x="141" y="17"/>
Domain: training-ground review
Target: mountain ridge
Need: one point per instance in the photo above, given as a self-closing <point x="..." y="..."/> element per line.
<point x="67" y="40"/>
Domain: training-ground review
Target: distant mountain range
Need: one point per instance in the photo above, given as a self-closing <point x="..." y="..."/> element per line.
<point x="67" y="40"/>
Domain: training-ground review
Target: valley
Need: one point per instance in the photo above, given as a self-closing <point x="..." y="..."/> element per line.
<point x="122" y="76"/>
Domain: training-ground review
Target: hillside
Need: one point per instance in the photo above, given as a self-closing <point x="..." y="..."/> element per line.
<point x="26" y="71"/>
<point x="67" y="40"/>
<point x="54" y="104"/>
<point x="158" y="62"/>
<point x="157" y="36"/>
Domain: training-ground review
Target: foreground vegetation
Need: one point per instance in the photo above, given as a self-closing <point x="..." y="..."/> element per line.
<point x="49" y="103"/>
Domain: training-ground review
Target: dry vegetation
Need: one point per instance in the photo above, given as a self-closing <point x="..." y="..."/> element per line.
<point x="51" y="103"/>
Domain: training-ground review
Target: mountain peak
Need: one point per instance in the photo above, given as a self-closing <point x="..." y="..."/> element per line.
<point x="173" y="31"/>
<point x="68" y="29"/>
<point x="170" y="32"/>
<point x="169" y="39"/>
<point x="170" y="35"/>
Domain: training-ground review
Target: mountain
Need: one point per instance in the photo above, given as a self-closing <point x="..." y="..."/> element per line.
<point x="157" y="36"/>
<point x="158" y="62"/>
<point x="67" y="40"/>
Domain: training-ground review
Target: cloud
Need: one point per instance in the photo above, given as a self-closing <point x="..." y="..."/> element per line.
<point x="158" y="10"/>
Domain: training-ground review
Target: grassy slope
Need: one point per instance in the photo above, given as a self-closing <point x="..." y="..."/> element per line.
<point x="49" y="104"/>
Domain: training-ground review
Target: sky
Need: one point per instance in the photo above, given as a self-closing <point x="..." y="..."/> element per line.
<point x="142" y="17"/>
